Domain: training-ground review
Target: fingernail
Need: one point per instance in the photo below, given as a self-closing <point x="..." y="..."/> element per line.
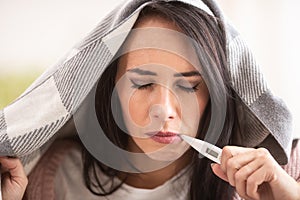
<point x="212" y="164"/>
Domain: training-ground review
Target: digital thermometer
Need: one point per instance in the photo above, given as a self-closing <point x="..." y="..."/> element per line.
<point x="206" y="149"/>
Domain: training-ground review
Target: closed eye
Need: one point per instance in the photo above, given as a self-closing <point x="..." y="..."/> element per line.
<point x="189" y="89"/>
<point x="141" y="86"/>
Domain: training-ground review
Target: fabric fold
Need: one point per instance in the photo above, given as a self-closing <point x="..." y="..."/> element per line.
<point x="51" y="101"/>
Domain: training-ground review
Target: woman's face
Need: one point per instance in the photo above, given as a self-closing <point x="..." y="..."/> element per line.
<point x="161" y="93"/>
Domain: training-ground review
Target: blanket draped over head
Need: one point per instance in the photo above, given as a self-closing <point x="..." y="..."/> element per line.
<point x="46" y="109"/>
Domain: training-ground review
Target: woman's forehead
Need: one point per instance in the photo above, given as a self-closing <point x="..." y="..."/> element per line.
<point x="151" y="58"/>
<point x="158" y="41"/>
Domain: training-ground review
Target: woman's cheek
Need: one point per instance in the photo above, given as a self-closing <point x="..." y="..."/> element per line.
<point x="194" y="110"/>
<point x="139" y="109"/>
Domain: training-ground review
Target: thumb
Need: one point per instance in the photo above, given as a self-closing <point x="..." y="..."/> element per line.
<point x="216" y="168"/>
<point x="14" y="179"/>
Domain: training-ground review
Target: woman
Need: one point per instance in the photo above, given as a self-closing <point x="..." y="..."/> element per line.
<point x="162" y="94"/>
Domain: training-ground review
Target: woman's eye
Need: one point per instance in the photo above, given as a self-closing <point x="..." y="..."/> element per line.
<point x="140" y="86"/>
<point x="189" y="89"/>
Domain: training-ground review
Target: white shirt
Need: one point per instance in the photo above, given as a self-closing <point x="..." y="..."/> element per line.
<point x="69" y="184"/>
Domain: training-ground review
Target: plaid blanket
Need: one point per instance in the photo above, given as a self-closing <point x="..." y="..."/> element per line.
<point x="29" y="123"/>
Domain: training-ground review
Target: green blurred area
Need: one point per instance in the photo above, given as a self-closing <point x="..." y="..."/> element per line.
<point x="13" y="85"/>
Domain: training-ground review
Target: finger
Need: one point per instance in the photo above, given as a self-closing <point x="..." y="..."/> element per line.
<point x="264" y="174"/>
<point x="237" y="162"/>
<point x="243" y="174"/>
<point x="15" y="169"/>
<point x="216" y="168"/>
<point x="253" y="181"/>
<point x="226" y="154"/>
<point x="230" y="151"/>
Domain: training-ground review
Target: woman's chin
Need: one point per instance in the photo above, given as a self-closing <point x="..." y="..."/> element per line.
<point x="168" y="153"/>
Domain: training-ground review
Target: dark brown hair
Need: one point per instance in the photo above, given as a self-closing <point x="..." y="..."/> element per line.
<point x="210" y="36"/>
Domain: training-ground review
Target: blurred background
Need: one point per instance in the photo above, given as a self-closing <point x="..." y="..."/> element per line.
<point x="34" y="34"/>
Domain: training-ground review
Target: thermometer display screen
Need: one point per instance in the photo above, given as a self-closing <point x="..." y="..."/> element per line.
<point x="212" y="152"/>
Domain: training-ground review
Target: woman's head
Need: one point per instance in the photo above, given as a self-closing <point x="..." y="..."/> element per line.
<point x="159" y="80"/>
<point x="161" y="91"/>
<point x="158" y="92"/>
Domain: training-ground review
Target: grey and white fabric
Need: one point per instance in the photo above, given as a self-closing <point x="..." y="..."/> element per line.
<point x="39" y="114"/>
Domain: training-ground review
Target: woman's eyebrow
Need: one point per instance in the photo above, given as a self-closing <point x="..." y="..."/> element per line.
<point x="187" y="74"/>
<point x="146" y="72"/>
<point x="142" y="72"/>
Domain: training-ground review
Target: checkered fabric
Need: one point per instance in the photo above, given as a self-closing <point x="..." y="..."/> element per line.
<point x="50" y="102"/>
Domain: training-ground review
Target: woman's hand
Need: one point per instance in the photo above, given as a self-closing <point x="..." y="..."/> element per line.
<point x="13" y="178"/>
<point x="255" y="174"/>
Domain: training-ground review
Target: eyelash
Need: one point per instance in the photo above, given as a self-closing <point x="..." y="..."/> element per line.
<point x="149" y="85"/>
<point x="189" y="90"/>
<point x="141" y="87"/>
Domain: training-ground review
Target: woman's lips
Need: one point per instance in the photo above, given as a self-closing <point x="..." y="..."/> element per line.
<point x="165" y="137"/>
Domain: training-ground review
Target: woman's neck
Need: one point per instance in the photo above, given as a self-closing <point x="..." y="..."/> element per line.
<point x="156" y="178"/>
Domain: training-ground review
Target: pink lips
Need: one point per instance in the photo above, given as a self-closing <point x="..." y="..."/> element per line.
<point x="166" y="137"/>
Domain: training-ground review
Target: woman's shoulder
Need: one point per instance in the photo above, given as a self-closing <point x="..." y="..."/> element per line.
<point x="47" y="173"/>
<point x="293" y="166"/>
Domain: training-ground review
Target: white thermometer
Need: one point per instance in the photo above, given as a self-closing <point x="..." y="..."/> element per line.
<point x="206" y="149"/>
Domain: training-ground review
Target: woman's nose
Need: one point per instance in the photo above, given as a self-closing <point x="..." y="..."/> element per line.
<point x="165" y="106"/>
